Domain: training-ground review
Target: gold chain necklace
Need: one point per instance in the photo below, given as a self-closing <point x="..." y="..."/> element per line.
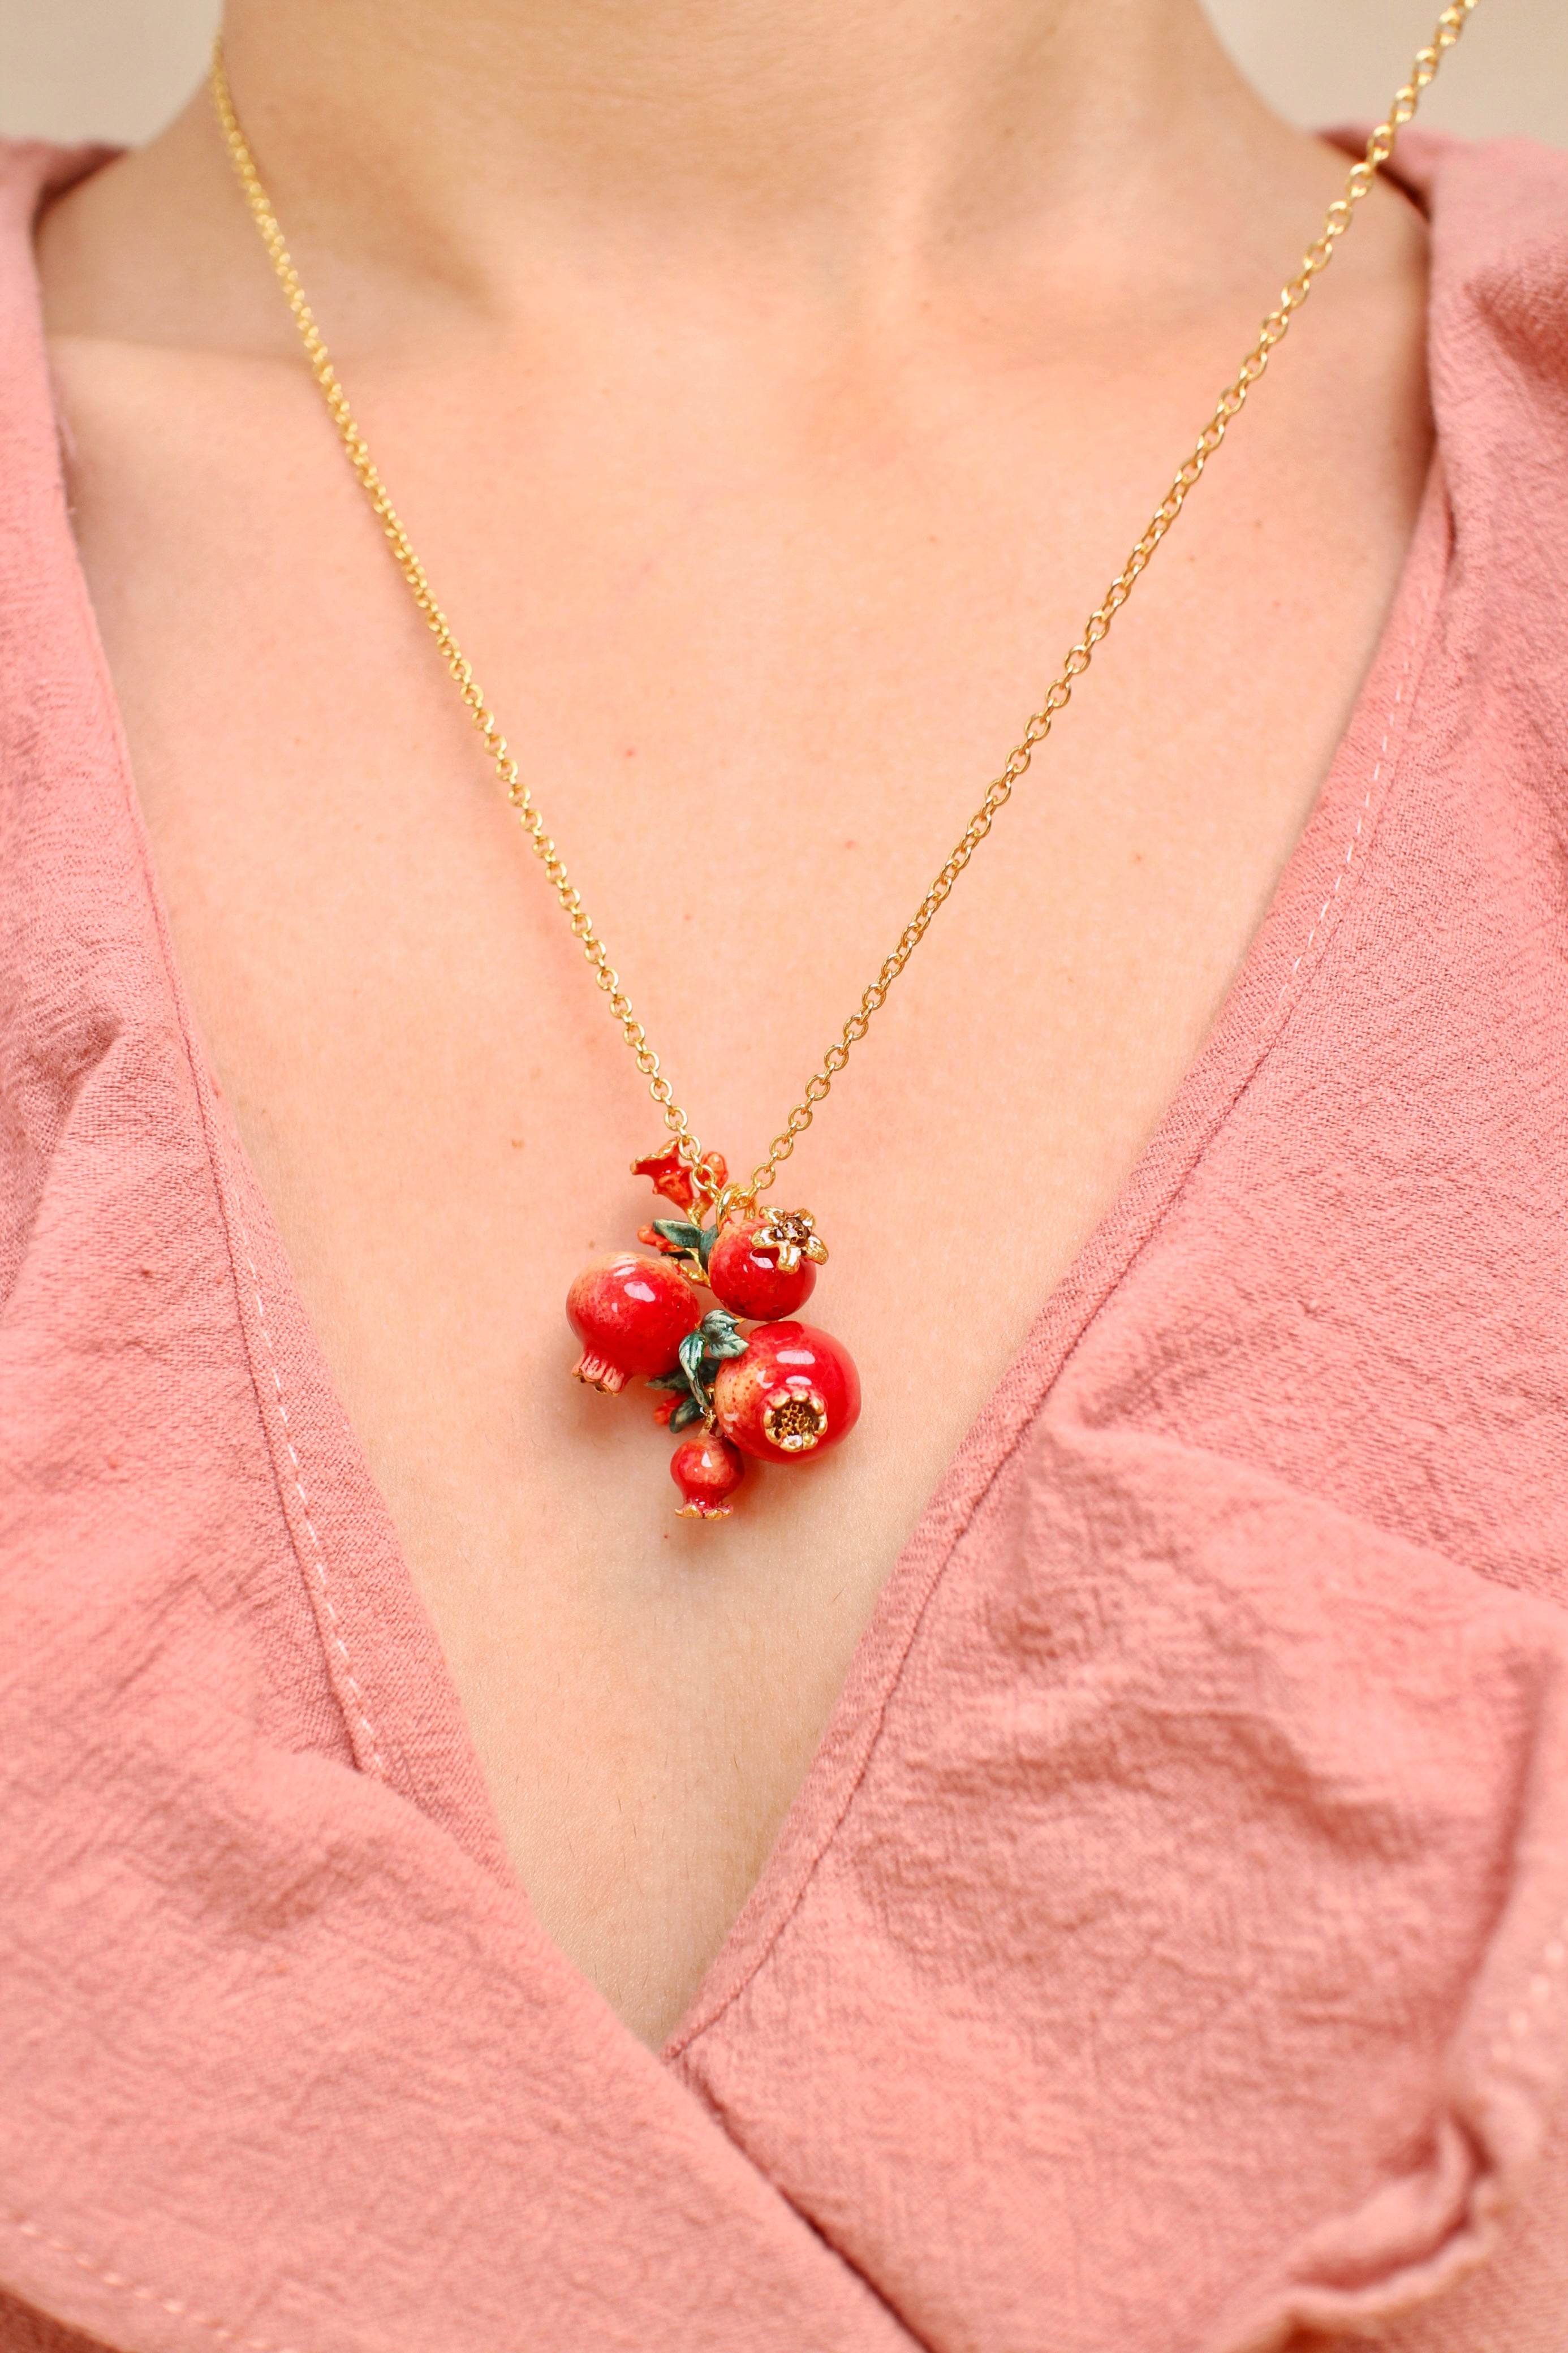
<point x="785" y="1391"/>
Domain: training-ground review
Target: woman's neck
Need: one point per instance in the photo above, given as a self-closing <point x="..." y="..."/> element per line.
<point x="478" y="141"/>
<point x="485" y="170"/>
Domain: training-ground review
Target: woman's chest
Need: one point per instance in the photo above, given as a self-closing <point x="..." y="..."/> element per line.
<point x="757" y="707"/>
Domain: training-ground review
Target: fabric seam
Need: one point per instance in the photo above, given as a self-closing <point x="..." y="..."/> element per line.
<point x="319" y="1560"/>
<point x="1549" y="1961"/>
<point x="121" y="2285"/>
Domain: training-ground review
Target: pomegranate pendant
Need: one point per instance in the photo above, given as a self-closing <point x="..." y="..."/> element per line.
<point x="781" y="1392"/>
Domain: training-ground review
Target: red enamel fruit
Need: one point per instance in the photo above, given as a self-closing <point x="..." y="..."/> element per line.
<point x="707" y="1470"/>
<point x="750" y="1282"/>
<point x="631" y="1313"/>
<point x="793" y="1393"/>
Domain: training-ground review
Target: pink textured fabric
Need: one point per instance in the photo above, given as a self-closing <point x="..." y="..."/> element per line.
<point x="1168" y="1952"/>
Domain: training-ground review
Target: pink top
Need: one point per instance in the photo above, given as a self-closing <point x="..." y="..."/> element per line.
<point x="1168" y="1951"/>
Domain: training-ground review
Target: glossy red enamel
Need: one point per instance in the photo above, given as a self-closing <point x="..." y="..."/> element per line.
<point x="750" y="1282"/>
<point x="795" y="1393"/>
<point x="631" y="1314"/>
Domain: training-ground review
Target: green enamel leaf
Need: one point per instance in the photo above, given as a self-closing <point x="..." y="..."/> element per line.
<point x="679" y="1234"/>
<point x="720" y="1336"/>
<point x="691" y="1365"/>
<point x="705" y="1241"/>
<point x="701" y="1352"/>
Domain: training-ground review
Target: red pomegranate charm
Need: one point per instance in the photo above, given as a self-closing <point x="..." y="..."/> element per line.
<point x="793" y="1394"/>
<point x="778" y="1391"/>
<point x="707" y="1470"/>
<point x="766" y="1267"/>
<point x="631" y="1313"/>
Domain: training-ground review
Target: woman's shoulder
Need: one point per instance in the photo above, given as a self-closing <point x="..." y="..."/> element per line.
<point x="1489" y="195"/>
<point x="1498" y="363"/>
<point x="1498" y="214"/>
<point x="32" y="172"/>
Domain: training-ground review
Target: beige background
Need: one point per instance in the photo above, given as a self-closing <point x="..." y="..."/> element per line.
<point x="116" y="69"/>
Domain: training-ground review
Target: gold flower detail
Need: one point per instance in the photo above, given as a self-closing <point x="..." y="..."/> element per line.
<point x="791" y="1235"/>
<point x="796" y="1421"/>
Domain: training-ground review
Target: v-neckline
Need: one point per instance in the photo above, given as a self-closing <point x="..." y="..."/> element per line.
<point x="418" y="1710"/>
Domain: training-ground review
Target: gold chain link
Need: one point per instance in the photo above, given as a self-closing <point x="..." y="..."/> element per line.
<point x="1059" y="695"/>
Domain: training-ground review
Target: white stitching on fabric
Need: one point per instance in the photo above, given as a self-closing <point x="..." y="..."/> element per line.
<point x="117" y="2281"/>
<point x="318" y="1557"/>
<point x="1554" y="1953"/>
<point x="1349" y="853"/>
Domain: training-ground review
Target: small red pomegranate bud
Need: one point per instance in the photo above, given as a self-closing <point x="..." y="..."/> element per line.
<point x="669" y="1176"/>
<point x="793" y="1394"/>
<point x="753" y="1282"/>
<point x="631" y="1313"/>
<point x="707" y="1470"/>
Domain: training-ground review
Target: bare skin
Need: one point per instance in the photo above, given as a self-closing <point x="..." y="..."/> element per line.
<point x="770" y="390"/>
